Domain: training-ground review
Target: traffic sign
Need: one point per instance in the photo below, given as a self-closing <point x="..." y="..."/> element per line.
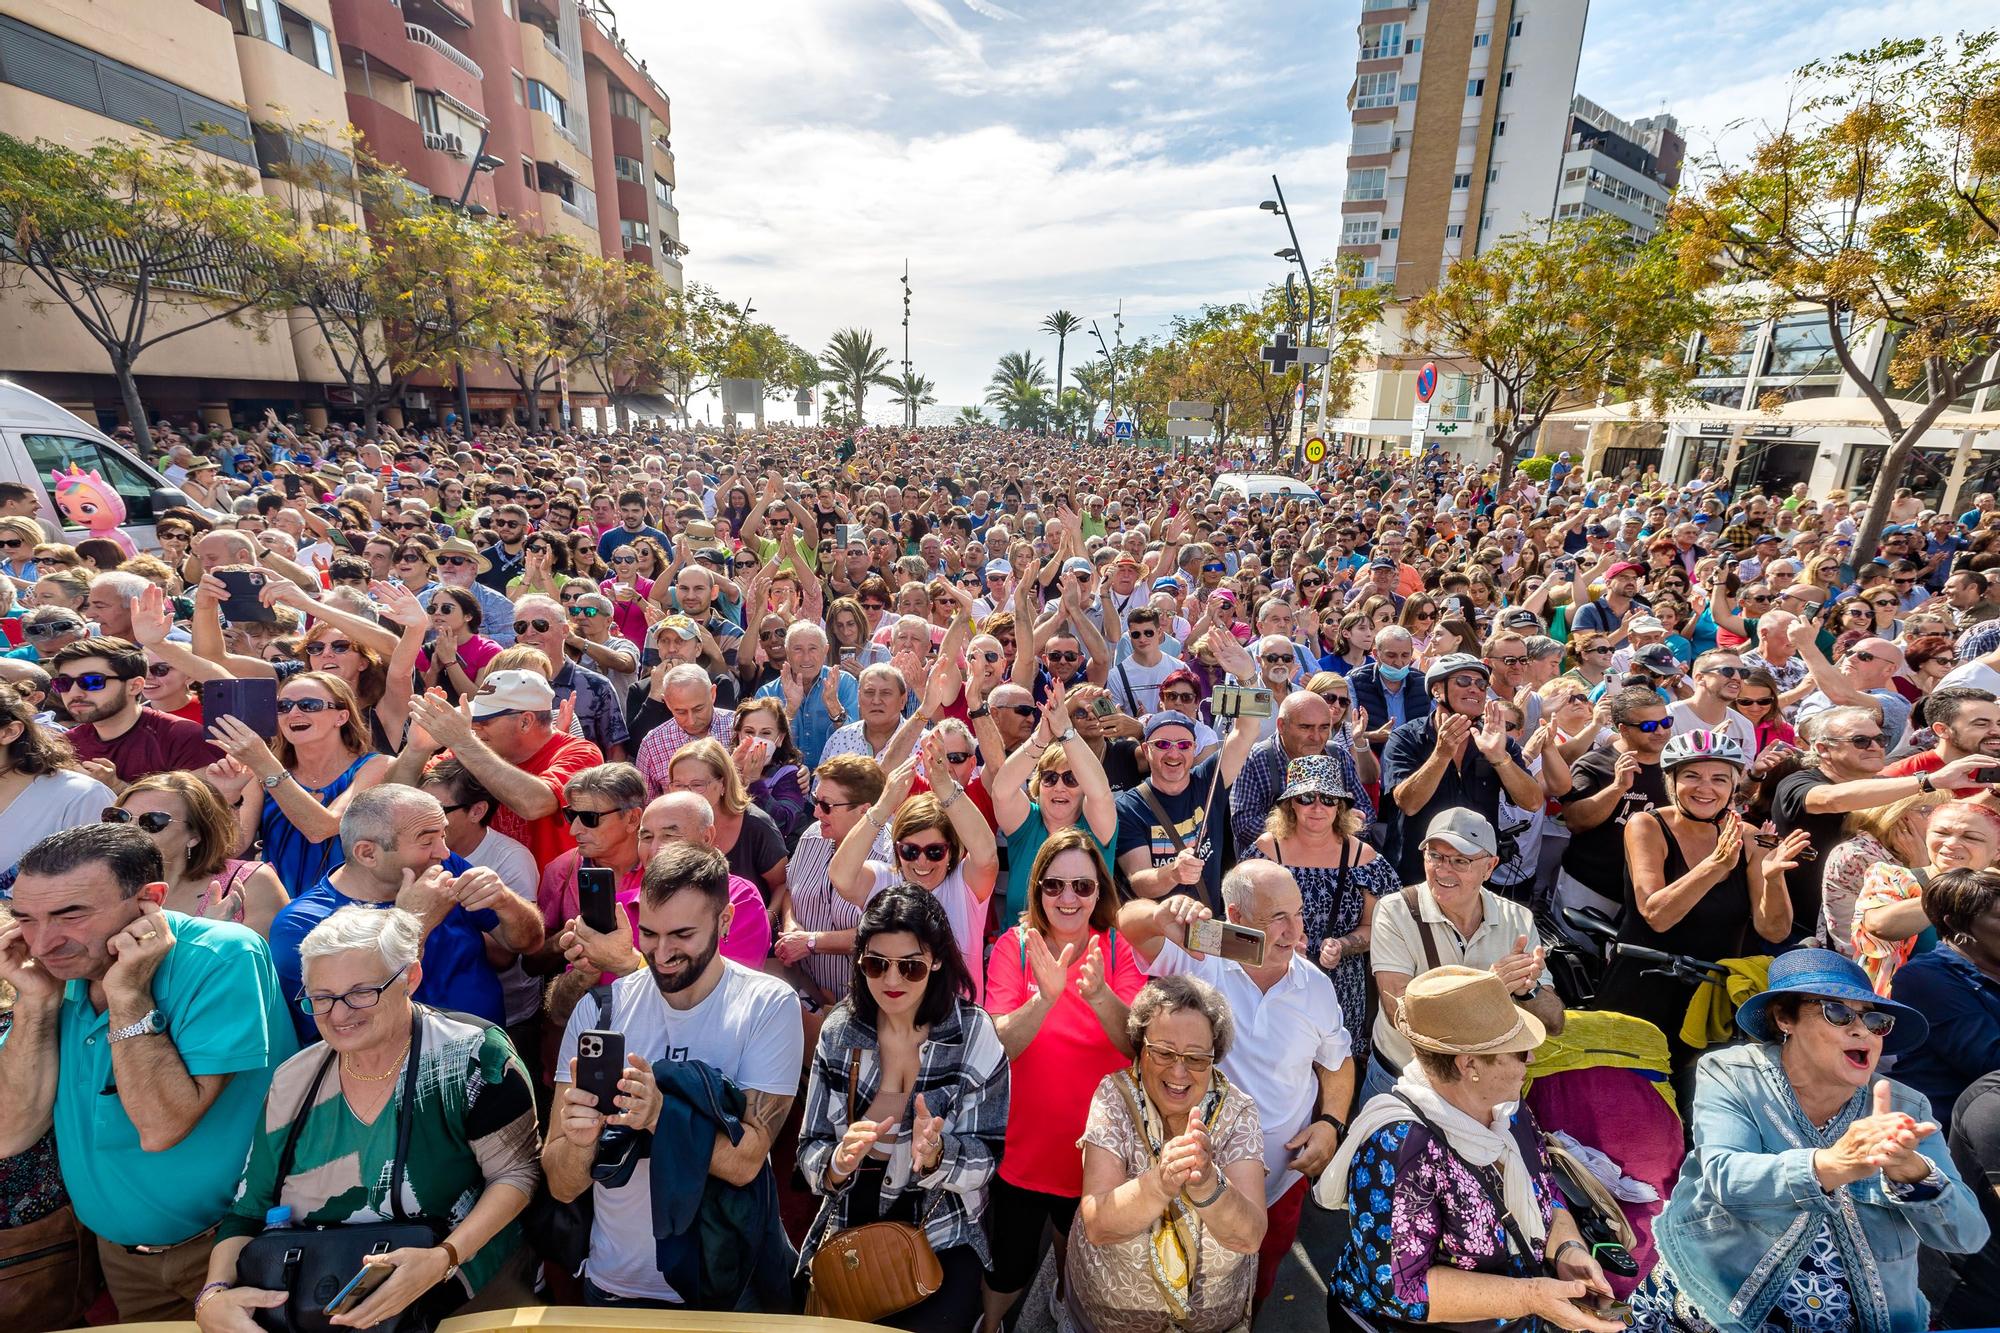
<point x="1315" y="449"/>
<point x="1184" y="430"/>
<point x="1420" y="420"/>
<point x="1315" y="356"/>
<point x="1123" y="430"/>
<point x="1427" y="381"/>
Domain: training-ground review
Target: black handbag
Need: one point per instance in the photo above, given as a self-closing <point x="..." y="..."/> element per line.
<point x="311" y="1264"/>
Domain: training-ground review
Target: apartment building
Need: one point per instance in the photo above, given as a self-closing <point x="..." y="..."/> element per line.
<point x="575" y="134"/>
<point x="1461" y="112"/>
<point x="1628" y="169"/>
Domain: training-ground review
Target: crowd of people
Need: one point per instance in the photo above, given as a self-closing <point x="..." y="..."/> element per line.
<point x="626" y="869"/>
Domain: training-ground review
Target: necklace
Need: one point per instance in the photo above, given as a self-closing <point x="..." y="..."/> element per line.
<point x="347" y="1067"/>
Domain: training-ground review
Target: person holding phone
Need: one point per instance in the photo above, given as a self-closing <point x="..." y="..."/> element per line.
<point x="471" y="1166"/>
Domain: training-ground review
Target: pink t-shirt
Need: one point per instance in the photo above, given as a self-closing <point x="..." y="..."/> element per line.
<point x="629" y="617"/>
<point x="748" y="940"/>
<point x="1059" y="1071"/>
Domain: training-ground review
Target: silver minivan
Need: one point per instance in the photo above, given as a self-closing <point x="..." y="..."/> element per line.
<point x="39" y="439"/>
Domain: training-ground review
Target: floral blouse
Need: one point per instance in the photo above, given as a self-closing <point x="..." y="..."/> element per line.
<point x="1846" y="865"/>
<point x="1886" y="885"/>
<point x="1414" y="1204"/>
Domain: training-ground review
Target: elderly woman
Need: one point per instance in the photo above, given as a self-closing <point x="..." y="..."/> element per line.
<point x="1052" y="781"/>
<point x="1057" y="987"/>
<point x="1456" y="1216"/>
<point x="1956" y="987"/>
<point x="1173" y="1178"/>
<point x="454" y="1092"/>
<point x="1813" y="1179"/>
<point x="1884" y="835"/>
<point x="906" y="1104"/>
<point x="1888" y="925"/>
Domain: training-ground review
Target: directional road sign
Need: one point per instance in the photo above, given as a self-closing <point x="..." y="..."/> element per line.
<point x="1315" y="356"/>
<point x="1191" y="411"/>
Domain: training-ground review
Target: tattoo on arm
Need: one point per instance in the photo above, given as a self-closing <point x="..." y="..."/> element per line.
<point x="767" y="1111"/>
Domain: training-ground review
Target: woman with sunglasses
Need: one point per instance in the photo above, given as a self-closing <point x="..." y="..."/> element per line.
<point x="457" y="651"/>
<point x="1926" y="661"/>
<point x="940" y="843"/>
<point x="1699" y="882"/>
<point x="906" y="1103"/>
<point x="1051" y="782"/>
<point x="1420" y="617"/>
<point x="544" y="568"/>
<point x="1057" y="985"/>
<point x="629" y="590"/>
<point x="584" y="561"/>
<point x="321" y="757"/>
<point x="197" y="837"/>
<point x="19" y="536"/>
<point x="168" y="689"/>
<point x="1589" y="655"/>
<point x="1759" y="703"/>
<point x="1887" y="925"/>
<point x="1813" y="1180"/>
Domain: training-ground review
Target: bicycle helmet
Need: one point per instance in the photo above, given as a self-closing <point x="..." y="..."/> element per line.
<point x="1693" y="747"/>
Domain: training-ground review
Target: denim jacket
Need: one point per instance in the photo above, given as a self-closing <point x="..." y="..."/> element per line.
<point x="1748" y="1206"/>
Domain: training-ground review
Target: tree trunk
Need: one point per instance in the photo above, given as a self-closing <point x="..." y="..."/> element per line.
<point x="1894" y="465"/>
<point x="371" y="418"/>
<point x="534" y="397"/>
<point x="135" y="409"/>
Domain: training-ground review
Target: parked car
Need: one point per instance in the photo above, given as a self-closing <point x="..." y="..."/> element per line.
<point x="39" y="440"/>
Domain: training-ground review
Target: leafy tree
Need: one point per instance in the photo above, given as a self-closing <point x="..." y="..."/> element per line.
<point x="913" y="392"/>
<point x="855" y="362"/>
<point x="972" y="416"/>
<point x="1581" y="313"/>
<point x="141" y="241"/>
<point x="1062" y="323"/>
<point x="1877" y="203"/>
<point x="550" y="329"/>
<point x="1092" y="381"/>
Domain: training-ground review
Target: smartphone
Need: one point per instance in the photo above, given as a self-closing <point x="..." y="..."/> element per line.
<point x="242" y="596"/>
<point x="1102" y="706"/>
<point x="295" y="487"/>
<point x="252" y="702"/>
<point x="600" y="1062"/>
<point x="1238" y="944"/>
<point x="360" y="1287"/>
<point x="1988" y="776"/>
<point x="1808" y="853"/>
<point x="1252" y="701"/>
<point x="843" y="533"/>
<point x="597" y="897"/>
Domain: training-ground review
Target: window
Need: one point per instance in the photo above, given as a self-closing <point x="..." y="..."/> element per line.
<point x="1462" y="181"/>
<point x="1382" y="41"/>
<point x="1480" y="39"/>
<point x="1368" y="183"/>
<point x="1375" y="90"/>
<point x="1507" y="79"/>
<point x="1492" y="174"/>
<point x="1413" y="45"/>
<point x="544" y="98"/>
<point x="272" y="22"/>
<point x="1454" y="230"/>
<point x="625" y="104"/>
<point x="1486" y="223"/>
<point x="1391" y="233"/>
<point x="1409" y="92"/>
<point x="1364" y="273"/>
<point x="1475" y="87"/>
<point x="663" y="191"/>
<point x="1573" y="175"/>
<point x="1499" y="129"/>
<point x="1364" y="230"/>
<point x="634" y="233"/>
<point x="56" y="453"/>
<point x="528" y="172"/>
<point x="1514" y="28"/>
<point x="520" y="88"/>
<point x="629" y="169"/>
<point x="1801" y="345"/>
<point x="447" y="125"/>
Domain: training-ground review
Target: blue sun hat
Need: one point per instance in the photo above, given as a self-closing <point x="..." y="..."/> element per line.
<point x="1822" y="974"/>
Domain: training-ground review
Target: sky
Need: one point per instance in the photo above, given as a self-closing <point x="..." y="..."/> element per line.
<point x="1040" y="155"/>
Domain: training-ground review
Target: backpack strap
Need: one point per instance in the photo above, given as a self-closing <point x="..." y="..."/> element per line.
<point x="1410" y="900"/>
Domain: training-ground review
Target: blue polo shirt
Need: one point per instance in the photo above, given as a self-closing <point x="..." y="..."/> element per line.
<point x="457" y="976"/>
<point x="225" y="1015"/>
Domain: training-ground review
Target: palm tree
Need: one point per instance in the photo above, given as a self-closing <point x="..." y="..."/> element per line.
<point x="1022" y="403"/>
<point x="1062" y="323"/>
<point x="1093" y="383"/>
<point x="1017" y="366"/>
<point x="913" y="391"/>
<point x="853" y="361"/>
<point x="972" y="416"/>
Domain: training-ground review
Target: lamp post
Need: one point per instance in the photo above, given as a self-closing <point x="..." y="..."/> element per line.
<point x="909" y="400"/>
<point x="1118" y="342"/>
<point x="482" y="161"/>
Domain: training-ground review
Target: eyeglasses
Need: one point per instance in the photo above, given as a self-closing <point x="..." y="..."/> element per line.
<point x="1018" y="710"/>
<point x="361" y="997"/>
<point x="538" y="624"/>
<point x="1840" y="1014"/>
<point x="304" y="705"/>
<point x="1166" y="1057"/>
<point x="1599" y="650"/>
<point x="1169" y="744"/>
<point x="1310" y="798"/>
<point x="153" y="821"/>
<point x="454" y="561"/>
<point x="159" y="670"/>
<point x="874" y="966"/>
<point x="329" y="648"/>
<point x="1053" y="887"/>
<point x="1868" y="742"/>
<point x="825" y="807"/>
<point x="1448" y="861"/>
<point x="92" y="681"/>
<point x="592" y="818"/>
<point x="14" y="545"/>
<point x="1648" y="728"/>
<point x="48" y="629"/>
<point x="933" y="852"/>
<point x="957" y="756"/>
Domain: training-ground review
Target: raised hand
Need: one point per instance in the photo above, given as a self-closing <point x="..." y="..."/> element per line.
<point x="1452" y="734"/>
<point x="926" y="1136"/>
<point x="398" y="605"/>
<point x="829" y="691"/>
<point x="1522" y="967"/>
<point x="152" y="617"/>
<point x="1091" y="983"/>
<point x="1728" y="843"/>
<point x="136" y="954"/>
<point x="245" y="746"/>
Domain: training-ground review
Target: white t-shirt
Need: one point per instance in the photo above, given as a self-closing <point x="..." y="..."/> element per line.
<point x="52" y="802"/>
<point x="1137" y="688"/>
<point x="515" y="865"/>
<point x="1740" y="728"/>
<point x="1282" y="1036"/>
<point x="749" y="1028"/>
<point x="967" y="915"/>
<point x="1975" y="674"/>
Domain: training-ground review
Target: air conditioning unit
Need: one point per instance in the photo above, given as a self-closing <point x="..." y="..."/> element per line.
<point x="454" y="145"/>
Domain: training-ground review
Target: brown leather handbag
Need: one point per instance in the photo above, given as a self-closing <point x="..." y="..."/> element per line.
<point x="868" y="1272"/>
<point x="48" y="1273"/>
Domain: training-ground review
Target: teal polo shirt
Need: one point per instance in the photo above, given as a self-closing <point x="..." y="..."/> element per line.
<point x="224" y="1015"/>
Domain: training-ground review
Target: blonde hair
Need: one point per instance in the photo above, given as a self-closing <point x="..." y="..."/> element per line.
<point x="1879" y="822"/>
<point x="708" y="752"/>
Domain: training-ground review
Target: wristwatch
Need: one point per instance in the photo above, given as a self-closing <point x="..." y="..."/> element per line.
<point x="1068" y="734"/>
<point x="1925" y="784"/>
<point x="1523" y="997"/>
<point x="151" y="1023"/>
<point x="275" y="781"/>
<point x="979" y="712"/>
<point x="1327" y="1117"/>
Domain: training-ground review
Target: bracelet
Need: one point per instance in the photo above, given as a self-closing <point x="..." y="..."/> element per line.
<point x="206" y="1294"/>
<point x="1221" y="1186"/>
<point x="1566" y="1245"/>
<point x="948" y="802"/>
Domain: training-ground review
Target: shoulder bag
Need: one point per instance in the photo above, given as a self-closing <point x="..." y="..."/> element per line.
<point x="311" y="1264"/>
<point x="869" y="1272"/>
<point x="1410" y="900"/>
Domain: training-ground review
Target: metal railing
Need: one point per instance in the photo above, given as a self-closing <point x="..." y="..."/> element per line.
<point x="423" y="36"/>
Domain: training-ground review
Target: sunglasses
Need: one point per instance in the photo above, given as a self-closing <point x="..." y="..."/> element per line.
<point x="825" y="807"/>
<point x="329" y="648"/>
<point x="1465" y="680"/>
<point x="1327" y="799"/>
<point x="48" y="629"/>
<point x="1053" y="887"/>
<point x="1729" y="672"/>
<point x="933" y="852"/>
<point x="587" y="612"/>
<point x="540" y="625"/>
<point x="454" y="561"/>
<point x="1176" y="697"/>
<point x="1746" y="701"/>
<point x="1278" y="659"/>
<point x="1061" y="778"/>
<point x="1018" y="710"/>
<point x="153" y="821"/>
<point x="14" y="545"/>
<point x="591" y="818"/>
<point x="874" y="966"/>
<point x="1664" y="724"/>
<point x="1065" y="657"/>
<point x="1171" y="745"/>
<point x="1870" y="742"/>
<point x="1840" y="1014"/>
<point x="285" y="706"/>
<point x="92" y="681"/>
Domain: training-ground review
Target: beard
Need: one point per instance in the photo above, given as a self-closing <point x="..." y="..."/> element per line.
<point x="679" y="980"/>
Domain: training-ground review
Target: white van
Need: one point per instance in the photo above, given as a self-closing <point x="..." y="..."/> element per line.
<point x="1253" y="487"/>
<point x="37" y="438"/>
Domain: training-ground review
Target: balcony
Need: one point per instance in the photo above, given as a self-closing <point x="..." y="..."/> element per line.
<point x="423" y="36"/>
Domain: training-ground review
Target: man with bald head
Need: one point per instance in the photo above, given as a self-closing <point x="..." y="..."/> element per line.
<point x="1863" y="678"/>
<point x="1306" y="725"/>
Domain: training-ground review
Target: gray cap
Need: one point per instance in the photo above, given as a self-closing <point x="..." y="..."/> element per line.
<point x="1465" y="830"/>
<point x="1453" y="663"/>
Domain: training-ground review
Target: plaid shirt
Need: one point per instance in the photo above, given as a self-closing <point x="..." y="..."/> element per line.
<point x="1255" y="792"/>
<point x="656" y="752"/>
<point x="961" y="1075"/>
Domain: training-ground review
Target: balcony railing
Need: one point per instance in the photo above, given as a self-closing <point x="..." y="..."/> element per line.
<point x="423" y="36"/>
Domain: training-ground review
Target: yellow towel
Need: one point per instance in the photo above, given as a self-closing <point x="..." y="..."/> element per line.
<point x="1600" y="1039"/>
<point x="1711" y="1015"/>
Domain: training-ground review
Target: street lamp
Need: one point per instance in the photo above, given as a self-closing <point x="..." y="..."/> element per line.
<point x="909" y="402"/>
<point x="482" y="161"/>
<point x="1292" y="254"/>
<point x="1118" y="341"/>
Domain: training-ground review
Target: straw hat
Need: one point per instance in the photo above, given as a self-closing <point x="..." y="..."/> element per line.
<point x="1455" y="1010"/>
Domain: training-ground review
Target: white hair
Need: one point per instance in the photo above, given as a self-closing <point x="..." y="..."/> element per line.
<point x="688" y="676"/>
<point x="1394" y="633"/>
<point x="394" y="934"/>
<point x="800" y="630"/>
<point x="123" y="582"/>
<point x="552" y="606"/>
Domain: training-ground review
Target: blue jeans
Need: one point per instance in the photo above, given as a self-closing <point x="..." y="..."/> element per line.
<point x="1377" y="1081"/>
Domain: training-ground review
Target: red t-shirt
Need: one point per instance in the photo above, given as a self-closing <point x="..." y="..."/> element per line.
<point x="1930" y="761"/>
<point x="555" y="764"/>
<point x="156" y="743"/>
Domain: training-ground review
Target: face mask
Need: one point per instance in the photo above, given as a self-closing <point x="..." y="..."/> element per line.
<point x="1387" y="672"/>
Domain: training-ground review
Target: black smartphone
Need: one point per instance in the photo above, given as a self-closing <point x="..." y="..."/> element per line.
<point x="242" y="599"/>
<point x="294" y="486"/>
<point x="600" y="1061"/>
<point x="252" y="702"/>
<point x="360" y="1287"/>
<point x="1987" y="776"/>
<point x="597" y="898"/>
